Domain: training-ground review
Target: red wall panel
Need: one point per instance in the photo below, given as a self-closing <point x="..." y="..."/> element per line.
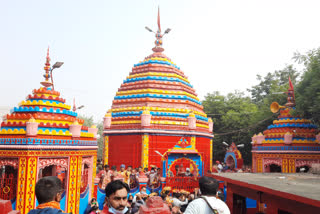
<point x="203" y="146"/>
<point x="125" y="149"/>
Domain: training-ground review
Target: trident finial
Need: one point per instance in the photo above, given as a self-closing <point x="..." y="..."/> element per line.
<point x="47" y="83"/>
<point x="158" y="42"/>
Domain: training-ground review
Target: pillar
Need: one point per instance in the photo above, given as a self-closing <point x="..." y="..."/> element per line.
<point x="74" y="184"/>
<point x="77" y="205"/>
<point x="284" y="167"/>
<point x="21" y="184"/>
<point x="94" y="168"/>
<point x="292" y="166"/>
<point x="27" y="178"/>
<point x="106" y="150"/>
<point x="259" y="165"/>
<point x="145" y="151"/>
<point x="211" y="155"/>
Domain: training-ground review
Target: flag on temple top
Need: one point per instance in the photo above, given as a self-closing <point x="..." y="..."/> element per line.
<point x="290" y="84"/>
<point x="159" y="27"/>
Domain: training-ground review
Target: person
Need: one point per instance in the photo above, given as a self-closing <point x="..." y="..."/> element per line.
<point x="207" y="203"/>
<point x="106" y="177"/>
<point x="188" y="173"/>
<point x="143" y="191"/>
<point x="116" y="198"/>
<point x="91" y="208"/>
<point x="48" y="192"/>
<point x="219" y="166"/>
<point x="115" y="175"/>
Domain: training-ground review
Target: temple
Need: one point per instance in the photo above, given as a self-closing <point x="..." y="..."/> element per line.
<point x="42" y="137"/>
<point x="290" y="145"/>
<point x="155" y="113"/>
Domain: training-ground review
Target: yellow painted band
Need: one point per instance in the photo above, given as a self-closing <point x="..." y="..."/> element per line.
<point x="156" y="91"/>
<point x="52" y="95"/>
<point x="47" y="103"/>
<point x="181" y="110"/>
<point x="158" y="74"/>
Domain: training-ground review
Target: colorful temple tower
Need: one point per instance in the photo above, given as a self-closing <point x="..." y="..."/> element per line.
<point x="42" y="137"/>
<point x="154" y="110"/>
<point x="291" y="144"/>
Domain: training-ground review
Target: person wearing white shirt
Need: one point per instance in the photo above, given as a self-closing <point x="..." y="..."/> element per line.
<point x="207" y="203"/>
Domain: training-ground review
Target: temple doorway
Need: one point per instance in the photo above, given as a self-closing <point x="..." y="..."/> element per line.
<point x="230" y="162"/>
<point x="303" y="169"/>
<point x="275" y="168"/>
<point x="8" y="182"/>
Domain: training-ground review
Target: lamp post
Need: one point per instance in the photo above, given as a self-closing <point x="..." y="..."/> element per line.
<point x="56" y="65"/>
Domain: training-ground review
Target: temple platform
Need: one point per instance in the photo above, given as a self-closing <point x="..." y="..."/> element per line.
<point x="281" y="192"/>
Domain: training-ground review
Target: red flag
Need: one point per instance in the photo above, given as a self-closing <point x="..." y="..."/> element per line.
<point x="291" y="87"/>
<point x="290" y="84"/>
<point x="159" y="27"/>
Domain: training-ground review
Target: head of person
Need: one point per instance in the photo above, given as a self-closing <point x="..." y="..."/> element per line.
<point x="143" y="190"/>
<point x="208" y="185"/>
<point x="48" y="189"/>
<point x="130" y="198"/>
<point x="187" y="170"/>
<point x="129" y="168"/>
<point x="114" y="168"/>
<point x="145" y="169"/>
<point x="116" y="196"/>
<point x="134" y="171"/>
<point x="106" y="167"/>
<point x="93" y="200"/>
<point x="140" y="169"/>
<point x="122" y="167"/>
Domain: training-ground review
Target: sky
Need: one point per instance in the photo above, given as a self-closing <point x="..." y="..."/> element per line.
<point x="221" y="45"/>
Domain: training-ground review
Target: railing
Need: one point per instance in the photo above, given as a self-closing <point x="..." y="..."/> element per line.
<point x="186" y="183"/>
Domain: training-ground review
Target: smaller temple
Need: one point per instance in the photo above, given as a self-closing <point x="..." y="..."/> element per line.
<point x="233" y="157"/>
<point x="43" y="137"/>
<point x="291" y="144"/>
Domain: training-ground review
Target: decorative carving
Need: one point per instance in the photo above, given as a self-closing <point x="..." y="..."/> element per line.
<point x="306" y="162"/>
<point x="9" y="162"/>
<point x="53" y="161"/>
<point x="268" y="161"/>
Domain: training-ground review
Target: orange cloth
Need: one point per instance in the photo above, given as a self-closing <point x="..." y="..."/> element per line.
<point x="52" y="204"/>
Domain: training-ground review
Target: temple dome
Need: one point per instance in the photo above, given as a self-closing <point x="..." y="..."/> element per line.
<point x="45" y="110"/>
<point x="159" y="85"/>
<point x="288" y="129"/>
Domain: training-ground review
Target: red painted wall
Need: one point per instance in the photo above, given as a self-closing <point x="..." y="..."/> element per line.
<point x="162" y="144"/>
<point x="125" y="149"/>
<point x="203" y="147"/>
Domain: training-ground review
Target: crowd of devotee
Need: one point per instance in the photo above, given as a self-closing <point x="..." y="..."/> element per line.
<point x="207" y="199"/>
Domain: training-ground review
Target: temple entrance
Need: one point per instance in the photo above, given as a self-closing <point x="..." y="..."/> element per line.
<point x="8" y="182"/>
<point x="275" y="168"/>
<point x="230" y="162"/>
<point x="54" y="170"/>
<point x="303" y="169"/>
<point x="84" y="178"/>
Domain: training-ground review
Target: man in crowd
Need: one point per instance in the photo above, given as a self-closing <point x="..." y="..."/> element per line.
<point x="143" y="192"/>
<point x="116" y="198"/>
<point x="48" y="191"/>
<point x="106" y="177"/>
<point x="207" y="203"/>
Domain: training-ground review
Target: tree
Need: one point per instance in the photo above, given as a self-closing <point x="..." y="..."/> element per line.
<point x="273" y="84"/>
<point x="232" y="116"/>
<point x="88" y="121"/>
<point x="308" y="90"/>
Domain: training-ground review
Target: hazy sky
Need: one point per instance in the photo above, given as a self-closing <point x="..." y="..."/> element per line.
<point x="221" y="45"/>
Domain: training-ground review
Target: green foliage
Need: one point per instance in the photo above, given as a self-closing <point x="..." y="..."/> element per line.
<point x="308" y="90"/>
<point x="229" y="113"/>
<point x="270" y="86"/>
<point x="88" y="121"/>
